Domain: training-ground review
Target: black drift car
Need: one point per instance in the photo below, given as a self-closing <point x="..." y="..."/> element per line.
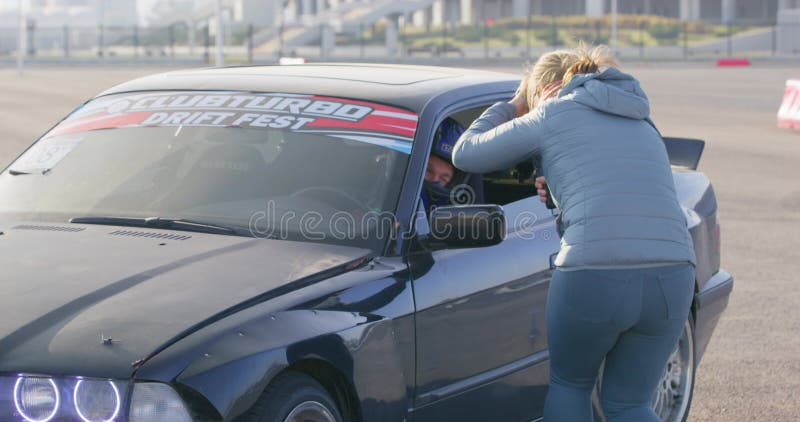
<point x="248" y="244"/>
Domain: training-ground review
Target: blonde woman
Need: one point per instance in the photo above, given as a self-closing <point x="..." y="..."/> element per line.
<point x="624" y="277"/>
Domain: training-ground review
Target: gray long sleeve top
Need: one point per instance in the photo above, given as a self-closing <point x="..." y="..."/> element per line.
<point x="605" y="164"/>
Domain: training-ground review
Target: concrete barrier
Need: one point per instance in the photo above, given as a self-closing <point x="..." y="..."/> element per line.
<point x="789" y="113"/>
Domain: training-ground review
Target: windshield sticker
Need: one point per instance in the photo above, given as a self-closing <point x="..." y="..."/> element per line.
<point x="45" y="154"/>
<point x="359" y="121"/>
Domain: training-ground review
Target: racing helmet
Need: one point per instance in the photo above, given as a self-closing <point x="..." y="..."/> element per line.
<point x="444" y="140"/>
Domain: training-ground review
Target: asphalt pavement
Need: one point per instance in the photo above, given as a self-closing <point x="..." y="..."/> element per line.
<point x="751" y="370"/>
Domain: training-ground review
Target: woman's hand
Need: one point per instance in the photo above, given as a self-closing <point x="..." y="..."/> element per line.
<point x="520" y="100"/>
<point x="551" y="90"/>
<point x="539" y="183"/>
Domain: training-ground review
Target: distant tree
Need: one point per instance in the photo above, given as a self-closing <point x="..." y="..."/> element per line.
<point x="665" y="31"/>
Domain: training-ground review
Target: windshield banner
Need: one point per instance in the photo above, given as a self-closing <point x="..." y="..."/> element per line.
<point x="361" y="121"/>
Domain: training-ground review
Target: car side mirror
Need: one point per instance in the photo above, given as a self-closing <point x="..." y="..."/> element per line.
<point x="465" y="226"/>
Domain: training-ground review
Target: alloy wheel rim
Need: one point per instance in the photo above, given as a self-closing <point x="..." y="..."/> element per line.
<point x="671" y="399"/>
<point x="310" y="411"/>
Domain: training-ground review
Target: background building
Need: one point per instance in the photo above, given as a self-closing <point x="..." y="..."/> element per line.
<point x="470" y="11"/>
<point x="281" y="26"/>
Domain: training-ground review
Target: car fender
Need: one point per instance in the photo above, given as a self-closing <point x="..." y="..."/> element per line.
<point x="357" y="323"/>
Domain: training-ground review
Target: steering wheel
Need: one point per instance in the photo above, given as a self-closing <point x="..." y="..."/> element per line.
<point x="326" y="198"/>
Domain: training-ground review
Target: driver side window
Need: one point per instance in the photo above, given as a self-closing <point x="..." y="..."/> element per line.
<point x="512" y="188"/>
<point x="509" y="185"/>
<point x="505" y="186"/>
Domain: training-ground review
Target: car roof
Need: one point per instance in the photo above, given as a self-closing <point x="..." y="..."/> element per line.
<point x="406" y="86"/>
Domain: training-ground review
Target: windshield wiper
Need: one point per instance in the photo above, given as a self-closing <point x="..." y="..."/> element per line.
<point x="158" y="223"/>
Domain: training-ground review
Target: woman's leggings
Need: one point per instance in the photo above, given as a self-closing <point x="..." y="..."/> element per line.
<point x="632" y="319"/>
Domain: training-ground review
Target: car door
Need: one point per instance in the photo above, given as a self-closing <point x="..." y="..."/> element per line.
<point x="481" y="337"/>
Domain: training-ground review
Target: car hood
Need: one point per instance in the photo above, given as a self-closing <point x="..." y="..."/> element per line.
<point x="64" y="290"/>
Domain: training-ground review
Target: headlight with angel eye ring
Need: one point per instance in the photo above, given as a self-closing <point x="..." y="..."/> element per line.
<point x="36" y="398"/>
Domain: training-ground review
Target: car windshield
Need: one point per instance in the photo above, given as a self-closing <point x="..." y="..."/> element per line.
<point x="276" y="165"/>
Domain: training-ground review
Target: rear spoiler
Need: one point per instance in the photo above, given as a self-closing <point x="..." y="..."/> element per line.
<point x="684" y="152"/>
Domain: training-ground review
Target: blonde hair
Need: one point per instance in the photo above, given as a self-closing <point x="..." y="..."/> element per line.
<point x="562" y="65"/>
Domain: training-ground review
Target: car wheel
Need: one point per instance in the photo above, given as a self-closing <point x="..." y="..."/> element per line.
<point x="294" y="397"/>
<point x="673" y="396"/>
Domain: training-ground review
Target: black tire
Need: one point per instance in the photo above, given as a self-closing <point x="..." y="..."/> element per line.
<point x="687" y="342"/>
<point x="685" y="392"/>
<point x="294" y="397"/>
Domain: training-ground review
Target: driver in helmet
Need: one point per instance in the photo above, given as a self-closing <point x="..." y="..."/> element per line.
<point x="441" y="177"/>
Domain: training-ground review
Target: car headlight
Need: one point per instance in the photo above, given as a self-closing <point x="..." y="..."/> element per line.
<point x="96" y="400"/>
<point x="36" y="399"/>
<point x="155" y="402"/>
<point x="44" y="399"/>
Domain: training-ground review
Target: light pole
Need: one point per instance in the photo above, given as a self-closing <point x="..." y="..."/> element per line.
<point x="219" y="40"/>
<point x="614" y="26"/>
<point x="101" y="29"/>
<point x="283" y="5"/>
<point x="21" y="41"/>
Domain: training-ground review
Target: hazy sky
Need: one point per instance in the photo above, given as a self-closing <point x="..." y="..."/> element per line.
<point x="144" y="6"/>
